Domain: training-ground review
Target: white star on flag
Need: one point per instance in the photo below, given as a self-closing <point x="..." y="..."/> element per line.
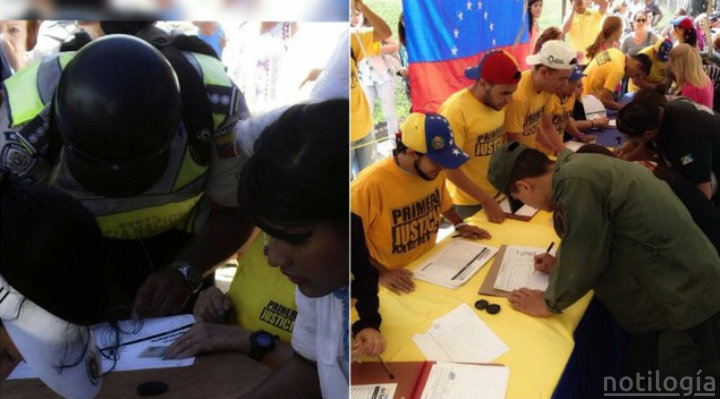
<point x="469" y="5"/>
<point x="456" y="33"/>
<point x="460" y="15"/>
<point x="479" y="5"/>
<point x="492" y="27"/>
<point x="494" y="42"/>
<point x="485" y="15"/>
<point x="454" y="50"/>
<point x="456" y="152"/>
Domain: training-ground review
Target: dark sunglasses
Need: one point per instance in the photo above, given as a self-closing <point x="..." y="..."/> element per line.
<point x="492" y="308"/>
<point x="641" y="20"/>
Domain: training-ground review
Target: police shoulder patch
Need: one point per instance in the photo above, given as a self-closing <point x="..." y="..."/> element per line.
<point x="17" y="155"/>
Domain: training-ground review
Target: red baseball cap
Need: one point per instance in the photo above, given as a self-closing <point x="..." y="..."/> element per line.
<point x="496" y="67"/>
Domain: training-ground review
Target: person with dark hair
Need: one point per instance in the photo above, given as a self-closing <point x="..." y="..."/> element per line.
<point x="627" y="237"/>
<point x="684" y="29"/>
<point x="685" y="135"/>
<point x="704" y="213"/>
<point x="653" y="10"/>
<point x="476" y="115"/>
<point x="527" y="116"/>
<point x="294" y="187"/>
<point x="658" y="54"/>
<point x="551" y="33"/>
<point x="402" y="199"/>
<point x="606" y="71"/>
<point x="534" y="11"/>
<point x="51" y="288"/>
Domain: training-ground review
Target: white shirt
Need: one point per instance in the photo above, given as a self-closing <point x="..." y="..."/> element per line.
<point x="319" y="335"/>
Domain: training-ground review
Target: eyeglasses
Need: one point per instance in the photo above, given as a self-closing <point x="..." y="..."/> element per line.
<point x="641" y="20"/>
<point x="492" y="308"/>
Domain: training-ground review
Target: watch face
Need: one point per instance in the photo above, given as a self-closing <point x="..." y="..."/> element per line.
<point x="264" y="339"/>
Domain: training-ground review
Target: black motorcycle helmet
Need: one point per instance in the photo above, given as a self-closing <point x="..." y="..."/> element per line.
<point x="117" y="107"/>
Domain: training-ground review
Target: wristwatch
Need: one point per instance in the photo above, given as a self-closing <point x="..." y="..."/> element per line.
<point x="190" y="273"/>
<point x="261" y="343"/>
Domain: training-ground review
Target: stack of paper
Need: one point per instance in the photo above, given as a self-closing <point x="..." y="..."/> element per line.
<point x="460" y="336"/>
<point x="466" y="381"/>
<point x="517" y="270"/>
<point x="455" y="264"/>
<point x="594" y="108"/>
<point x="141" y="344"/>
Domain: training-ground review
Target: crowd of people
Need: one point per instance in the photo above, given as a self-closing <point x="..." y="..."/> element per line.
<point x="645" y="241"/>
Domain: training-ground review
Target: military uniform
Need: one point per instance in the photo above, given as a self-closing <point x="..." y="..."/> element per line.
<point x="626" y="236"/>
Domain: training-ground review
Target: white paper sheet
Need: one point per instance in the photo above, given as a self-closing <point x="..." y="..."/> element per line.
<point x="373" y="391"/>
<point x="594" y="108"/>
<point x="455" y="264"/>
<point x="466" y="381"/>
<point x="135" y="338"/>
<point x="517" y="270"/>
<point x="525" y="210"/>
<point x="462" y="337"/>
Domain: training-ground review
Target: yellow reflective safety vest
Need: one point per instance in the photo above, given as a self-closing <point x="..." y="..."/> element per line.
<point x="174" y="201"/>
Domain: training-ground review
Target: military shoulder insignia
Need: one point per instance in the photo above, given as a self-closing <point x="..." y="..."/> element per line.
<point x="560" y="219"/>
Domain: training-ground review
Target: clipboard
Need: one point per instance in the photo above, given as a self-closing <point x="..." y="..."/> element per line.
<point x="411" y="377"/>
<point x="515" y="206"/>
<point x="487" y="287"/>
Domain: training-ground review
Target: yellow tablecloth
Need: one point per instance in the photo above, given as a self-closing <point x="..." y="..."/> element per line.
<point x="539" y="347"/>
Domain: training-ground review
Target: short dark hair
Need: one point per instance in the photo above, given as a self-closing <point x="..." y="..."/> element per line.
<point x="530" y="163"/>
<point x="298" y="174"/>
<point x="593" y="148"/>
<point x="645" y="62"/>
<point x="641" y="114"/>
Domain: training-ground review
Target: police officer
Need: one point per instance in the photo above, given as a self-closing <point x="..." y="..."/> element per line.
<point x="626" y="236"/>
<point x="145" y="140"/>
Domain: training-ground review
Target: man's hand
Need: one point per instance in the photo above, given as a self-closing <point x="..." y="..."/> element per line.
<point x="398" y="281"/>
<point x="601" y="122"/>
<point x="163" y="293"/>
<point x="368" y="342"/>
<point x="544" y="262"/>
<point x="531" y="302"/>
<point x="209" y="337"/>
<point x="586" y="138"/>
<point x="493" y="211"/>
<point x="212" y="305"/>
<point x="469" y="231"/>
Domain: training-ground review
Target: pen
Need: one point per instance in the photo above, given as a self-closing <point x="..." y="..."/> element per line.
<point x="480" y="254"/>
<point x="385" y="366"/>
<point x="550" y="247"/>
<point x="457" y="235"/>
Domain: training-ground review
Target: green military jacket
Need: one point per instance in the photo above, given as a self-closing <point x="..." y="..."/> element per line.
<point x="626" y="236"/>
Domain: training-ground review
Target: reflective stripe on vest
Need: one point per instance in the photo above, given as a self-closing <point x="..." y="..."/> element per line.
<point x="170" y="202"/>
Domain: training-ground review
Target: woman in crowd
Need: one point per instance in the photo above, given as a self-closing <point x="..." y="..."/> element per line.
<point x="691" y="80"/>
<point x="641" y="37"/>
<point x="295" y="189"/>
<point x="534" y="11"/>
<point x="607" y="38"/>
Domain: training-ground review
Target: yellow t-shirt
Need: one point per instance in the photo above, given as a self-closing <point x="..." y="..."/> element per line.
<point x="262" y="297"/>
<point x="401" y="212"/>
<point x="605" y="71"/>
<point x="560" y="111"/>
<point x="360" y="112"/>
<point x="657" y="70"/>
<point x="524" y="113"/>
<point x="584" y="29"/>
<point x="478" y="130"/>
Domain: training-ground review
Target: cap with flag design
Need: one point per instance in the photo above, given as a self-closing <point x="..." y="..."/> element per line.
<point x="431" y="134"/>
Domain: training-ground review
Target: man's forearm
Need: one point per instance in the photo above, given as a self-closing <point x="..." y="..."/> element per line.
<point x="551" y="134"/>
<point x="608" y="101"/>
<point x="381" y="30"/>
<point x="568" y="20"/>
<point x="226" y="230"/>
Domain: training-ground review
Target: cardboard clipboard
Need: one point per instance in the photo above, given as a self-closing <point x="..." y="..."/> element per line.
<point x="410" y="376"/>
<point x="487" y="287"/>
<point x="515" y="205"/>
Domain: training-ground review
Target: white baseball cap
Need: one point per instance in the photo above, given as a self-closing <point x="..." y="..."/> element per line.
<point x="63" y="355"/>
<point x="554" y="54"/>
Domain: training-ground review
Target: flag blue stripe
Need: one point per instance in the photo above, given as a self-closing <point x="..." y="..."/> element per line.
<point x="432" y="25"/>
